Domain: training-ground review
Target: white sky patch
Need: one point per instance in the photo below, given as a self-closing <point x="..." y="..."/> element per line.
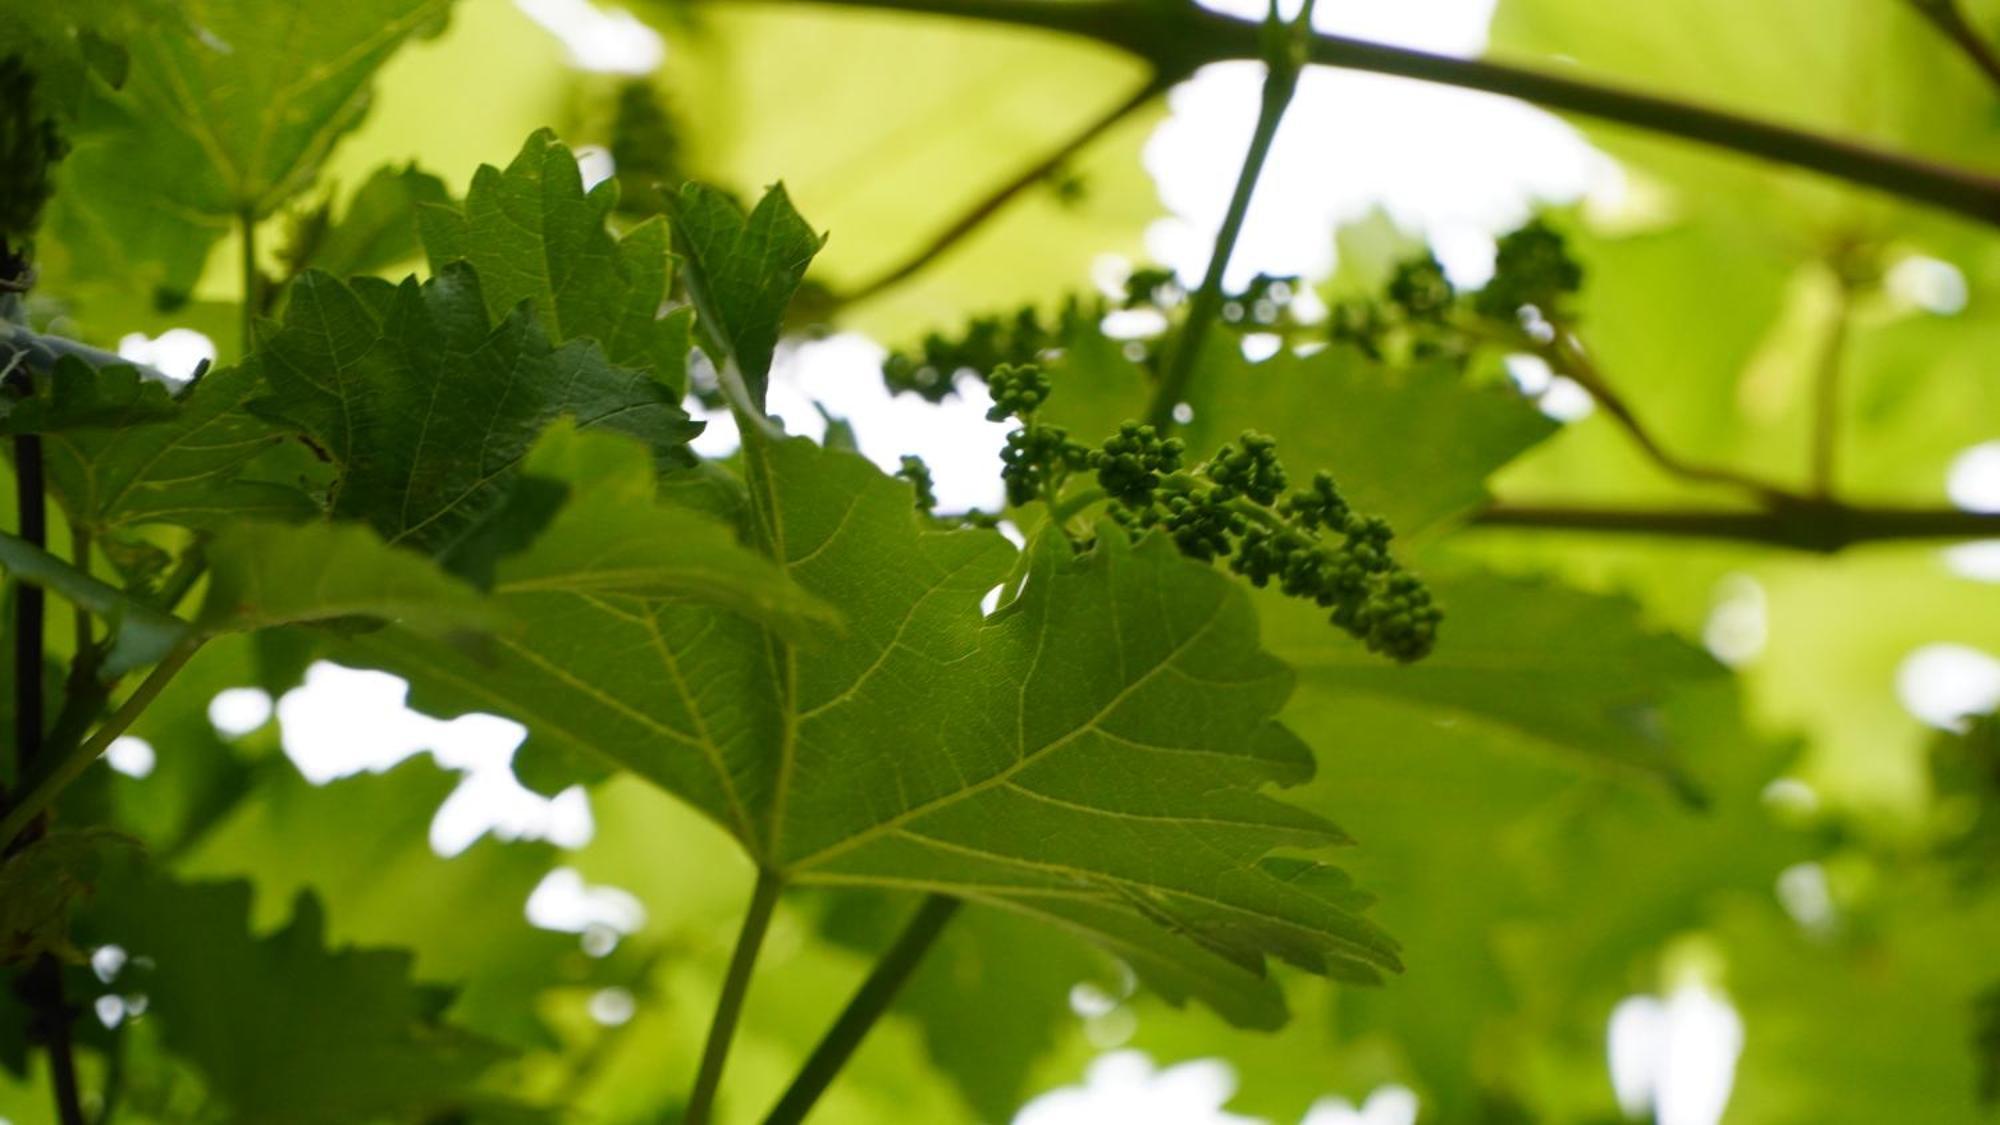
<point x="1806" y="895"/>
<point x="1942" y="684"/>
<point x="843" y="373"/>
<point x="612" y="1007"/>
<point x="1977" y="561"/>
<point x="343" y="721"/>
<point x="594" y="164"/>
<point x="1973" y="481"/>
<point x="1931" y="284"/>
<point x="1676" y="1057"/>
<point x="238" y="711"/>
<point x="609" y="41"/>
<point x="176" y="353"/>
<point x="1455" y="165"/>
<point x="131" y="756"/>
<point x="1737" y="625"/>
<point x="1387" y="1105"/>
<point x="1125" y="1086"/>
<point x="562" y="901"/>
<point x="1566" y="400"/>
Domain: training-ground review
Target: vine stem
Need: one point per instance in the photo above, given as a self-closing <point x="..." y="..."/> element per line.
<point x="977" y="215"/>
<point x="867" y="1006"/>
<point x="41" y="792"/>
<point x="729" y="1006"/>
<point x="1285" y="58"/>
<point x="1822" y="526"/>
<point x="1182" y="37"/>
<point x="1948" y="16"/>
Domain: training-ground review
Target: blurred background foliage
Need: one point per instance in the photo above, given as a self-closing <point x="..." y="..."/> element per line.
<point x="1636" y="767"/>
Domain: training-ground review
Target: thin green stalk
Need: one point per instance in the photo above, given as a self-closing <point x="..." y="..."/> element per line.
<point x="30" y="607"/>
<point x="873" y="999"/>
<point x="1828" y="392"/>
<point x="41" y="791"/>
<point x="1285" y="57"/>
<point x="247" y="220"/>
<point x="1173" y="36"/>
<point x="728" y="1007"/>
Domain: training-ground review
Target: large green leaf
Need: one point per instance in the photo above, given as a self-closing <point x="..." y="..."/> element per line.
<point x="1109" y="788"/>
<point x="200" y="465"/>
<point x="741" y="273"/>
<point x="361" y="846"/>
<point x="534" y="235"/>
<point x="230" y="1002"/>
<point x="263" y="574"/>
<point x="141" y="633"/>
<point x="1572" y="670"/>
<point x="427" y="408"/>
<point x="378" y="228"/>
<point x="226" y="113"/>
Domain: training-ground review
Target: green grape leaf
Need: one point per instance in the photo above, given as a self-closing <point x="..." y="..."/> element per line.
<point x="534" y="235"/>
<point x="231" y="1003"/>
<point x="200" y="465"/>
<point x="41" y="884"/>
<point x="741" y="273"/>
<point x="265" y="574"/>
<point x="361" y="845"/>
<point x="75" y="395"/>
<point x="378" y="230"/>
<point x="1986" y="1043"/>
<point x="1572" y="670"/>
<point x="141" y="633"/>
<point x="1905" y="967"/>
<point x="1414" y="444"/>
<point x="1109" y="788"/>
<point x="427" y="408"/>
<point x="593" y="547"/>
<point x="226" y="112"/>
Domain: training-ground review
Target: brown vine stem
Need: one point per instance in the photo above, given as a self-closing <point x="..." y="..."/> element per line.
<point x="1177" y="38"/>
<point x="1567" y="356"/>
<point x="1948" y="16"/>
<point x="1820" y="526"/>
<point x="976" y="216"/>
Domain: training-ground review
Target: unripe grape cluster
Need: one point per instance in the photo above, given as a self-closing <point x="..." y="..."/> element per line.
<point x="1533" y="268"/>
<point x="1237" y="505"/>
<point x="987" y="344"/>
<point x="1308" y="541"/>
<point x="1037" y="456"/>
<point x="1421" y="315"/>
<point x="919" y="475"/>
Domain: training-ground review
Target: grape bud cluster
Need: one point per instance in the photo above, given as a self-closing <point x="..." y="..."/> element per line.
<point x="1038" y="456"/>
<point x="1238" y="505"/>
<point x="919" y="475"/>
<point x="1533" y="268"/>
<point x="988" y="343"/>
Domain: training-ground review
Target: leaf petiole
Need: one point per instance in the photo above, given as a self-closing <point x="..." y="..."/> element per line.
<point x="1284" y="56"/>
<point x="869" y="1002"/>
<point x="729" y="1006"/>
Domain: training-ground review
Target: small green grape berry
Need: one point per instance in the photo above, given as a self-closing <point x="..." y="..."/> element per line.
<point x="1130" y="462"/>
<point x="1249" y="467"/>
<point x="1017" y="389"/>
